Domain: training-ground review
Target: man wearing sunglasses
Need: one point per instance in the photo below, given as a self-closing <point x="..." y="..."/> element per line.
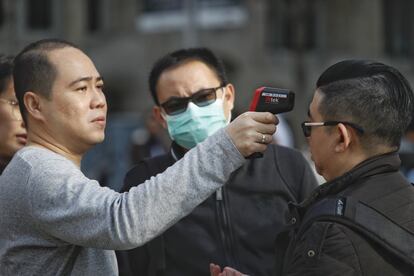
<point x="56" y="221"/>
<point x="237" y="225"/>
<point x="360" y="222"/>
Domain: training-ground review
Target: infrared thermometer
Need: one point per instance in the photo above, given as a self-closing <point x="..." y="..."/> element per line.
<point x="273" y="100"/>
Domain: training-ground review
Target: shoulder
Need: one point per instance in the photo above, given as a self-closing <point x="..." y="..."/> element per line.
<point x="391" y="195"/>
<point x="41" y="164"/>
<point x="323" y="248"/>
<point x="48" y="178"/>
<point x="286" y="154"/>
<point x="44" y="159"/>
<point x="285" y="161"/>
<point x="145" y="169"/>
<point x="294" y="169"/>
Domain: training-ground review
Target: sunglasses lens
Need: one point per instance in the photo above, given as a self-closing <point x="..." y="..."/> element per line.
<point x="306" y="130"/>
<point x="176" y="106"/>
<point x="205" y="97"/>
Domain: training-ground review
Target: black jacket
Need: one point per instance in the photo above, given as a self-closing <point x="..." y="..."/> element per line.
<point x="236" y="226"/>
<point x="2" y="167"/>
<point x="329" y="248"/>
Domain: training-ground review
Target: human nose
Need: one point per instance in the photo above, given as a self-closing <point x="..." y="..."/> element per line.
<point x="98" y="98"/>
<point x="22" y="123"/>
<point x="16" y="113"/>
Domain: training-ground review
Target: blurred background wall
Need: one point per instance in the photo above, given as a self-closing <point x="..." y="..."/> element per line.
<point x="283" y="43"/>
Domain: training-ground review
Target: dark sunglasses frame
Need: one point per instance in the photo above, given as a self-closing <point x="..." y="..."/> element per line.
<point x="307" y="126"/>
<point x="203" y="97"/>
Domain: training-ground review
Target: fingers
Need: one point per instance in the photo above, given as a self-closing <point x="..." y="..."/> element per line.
<point x="262" y="117"/>
<point x="252" y="131"/>
<point x="265" y="129"/>
<point x="228" y="271"/>
<point x="215" y="270"/>
<point x="265" y="139"/>
<point x="263" y="122"/>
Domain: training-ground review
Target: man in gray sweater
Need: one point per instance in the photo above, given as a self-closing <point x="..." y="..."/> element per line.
<point x="56" y="221"/>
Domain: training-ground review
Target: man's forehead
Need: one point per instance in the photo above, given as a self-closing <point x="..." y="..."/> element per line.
<point x="65" y="53"/>
<point x="192" y="68"/>
<point x="185" y="79"/>
<point x="71" y="63"/>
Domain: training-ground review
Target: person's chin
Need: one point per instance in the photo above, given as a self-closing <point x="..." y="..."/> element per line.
<point x="12" y="149"/>
<point x="98" y="138"/>
<point x="319" y="170"/>
<point x="325" y="176"/>
<point x="21" y="141"/>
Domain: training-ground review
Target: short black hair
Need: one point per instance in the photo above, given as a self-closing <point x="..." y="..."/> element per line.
<point x="373" y="95"/>
<point x="6" y="71"/>
<point x="34" y="72"/>
<point x="181" y="56"/>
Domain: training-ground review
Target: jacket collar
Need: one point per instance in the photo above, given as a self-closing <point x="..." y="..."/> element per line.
<point x="2" y="167"/>
<point x="3" y="164"/>
<point x="389" y="162"/>
<point x="177" y="151"/>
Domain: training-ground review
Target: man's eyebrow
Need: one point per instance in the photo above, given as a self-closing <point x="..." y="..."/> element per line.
<point x="85" y="79"/>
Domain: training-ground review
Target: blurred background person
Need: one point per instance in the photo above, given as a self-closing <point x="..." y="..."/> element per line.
<point x="12" y="130"/>
<point x="150" y="141"/>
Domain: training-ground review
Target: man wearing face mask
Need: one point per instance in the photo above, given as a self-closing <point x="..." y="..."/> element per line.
<point x="236" y="226"/>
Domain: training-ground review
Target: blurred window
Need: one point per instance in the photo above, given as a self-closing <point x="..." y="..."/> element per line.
<point x="290" y="25"/>
<point x="39" y="14"/>
<point x="161" y="5"/>
<point x="171" y="5"/>
<point x="1" y="13"/>
<point x="171" y="15"/>
<point x="94" y="15"/>
<point x="398" y="27"/>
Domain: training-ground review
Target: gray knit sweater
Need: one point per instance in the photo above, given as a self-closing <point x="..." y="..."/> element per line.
<point x="56" y="221"/>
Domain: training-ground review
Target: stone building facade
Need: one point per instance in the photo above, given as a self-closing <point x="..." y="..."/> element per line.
<point x="285" y="43"/>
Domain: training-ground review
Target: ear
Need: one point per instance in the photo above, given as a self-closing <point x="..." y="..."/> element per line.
<point x="228" y="101"/>
<point x="229" y="96"/>
<point x="32" y="102"/>
<point x="157" y="112"/>
<point x="345" y="138"/>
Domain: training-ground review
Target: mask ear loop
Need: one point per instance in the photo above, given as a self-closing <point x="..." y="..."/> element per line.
<point x="163" y="114"/>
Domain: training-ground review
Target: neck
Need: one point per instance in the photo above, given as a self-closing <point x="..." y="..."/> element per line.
<point x="50" y="144"/>
<point x="347" y="164"/>
<point x="353" y="159"/>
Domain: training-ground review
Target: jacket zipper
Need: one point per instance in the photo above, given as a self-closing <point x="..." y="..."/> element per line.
<point x="224" y="228"/>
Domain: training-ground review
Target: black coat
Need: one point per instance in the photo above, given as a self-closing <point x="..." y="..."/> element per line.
<point x="328" y="248"/>
<point x="236" y="226"/>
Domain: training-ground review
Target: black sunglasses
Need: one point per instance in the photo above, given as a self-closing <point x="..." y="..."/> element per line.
<point x="307" y="126"/>
<point x="177" y="105"/>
